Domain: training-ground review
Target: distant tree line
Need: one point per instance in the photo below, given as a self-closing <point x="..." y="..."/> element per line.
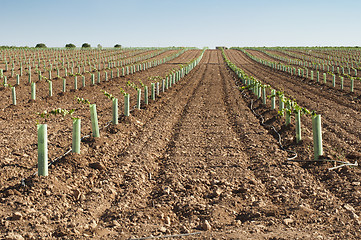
<point x="68" y="45"/>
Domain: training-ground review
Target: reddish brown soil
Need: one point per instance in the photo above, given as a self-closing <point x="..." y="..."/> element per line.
<point x="340" y="122"/>
<point x="197" y="153"/>
<point x="347" y="82"/>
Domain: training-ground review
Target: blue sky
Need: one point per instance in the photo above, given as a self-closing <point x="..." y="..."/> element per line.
<point x="196" y="23"/>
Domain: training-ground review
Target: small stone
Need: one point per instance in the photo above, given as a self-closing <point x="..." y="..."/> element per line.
<point x="355" y="183"/>
<point x="215" y="182"/>
<point x="306" y="209"/>
<point x="14" y="236"/>
<point x="218" y="192"/>
<point x="16" y="216"/>
<point x="93" y="224"/>
<point x="167" y="190"/>
<point x="115" y="223"/>
<point x="162" y="229"/>
<point x="206" y="226"/>
<point x="167" y="221"/>
<point x="288" y="221"/>
<point x="349" y="207"/>
<point x="76" y="194"/>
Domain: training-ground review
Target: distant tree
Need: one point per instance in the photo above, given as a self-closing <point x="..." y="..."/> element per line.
<point x="118" y="46"/>
<point x="99" y="46"/>
<point x="85" y="45"/>
<point x="40" y="45"/>
<point x="70" y="45"/>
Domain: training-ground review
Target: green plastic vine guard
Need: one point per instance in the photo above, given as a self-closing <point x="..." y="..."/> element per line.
<point x="42" y="150"/>
<point x="317" y="136"/>
<point x="157" y="88"/>
<point x="341" y="80"/>
<point x="115" y="111"/>
<point x="92" y="79"/>
<point x="152" y="95"/>
<point x="163" y="85"/>
<point x="281" y="103"/>
<point x="106" y="76"/>
<point x="288" y="117"/>
<point x="76" y="135"/>
<point x="318" y="76"/>
<point x="298" y="127"/>
<point x="94" y="120"/>
<point x="139" y="98"/>
<point x="273" y="99"/>
<point x="75" y="82"/>
<point x="17" y="79"/>
<point x="33" y="91"/>
<point x="126" y="105"/>
<point x="50" y="88"/>
<point x="333" y="80"/>
<point x="166" y="83"/>
<point x="98" y="80"/>
<point x="64" y="85"/>
<point x="83" y="81"/>
<point x="264" y="96"/>
<point x="324" y="78"/>
<point x="13" y="95"/>
<point x="352" y="84"/>
<point x="146" y="95"/>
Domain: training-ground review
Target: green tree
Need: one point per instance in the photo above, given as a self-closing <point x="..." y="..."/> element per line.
<point x="70" y="45"/>
<point x="40" y="45"/>
<point x="85" y="45"/>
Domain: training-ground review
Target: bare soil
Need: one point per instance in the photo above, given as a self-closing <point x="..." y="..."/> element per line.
<point x="195" y="161"/>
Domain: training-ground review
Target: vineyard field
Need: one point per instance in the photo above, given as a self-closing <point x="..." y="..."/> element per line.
<point x="207" y="155"/>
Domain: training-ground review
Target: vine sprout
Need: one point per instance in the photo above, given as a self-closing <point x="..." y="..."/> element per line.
<point x="108" y="95"/>
<point x="123" y="92"/>
<point x="133" y="85"/>
<point x="82" y="100"/>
